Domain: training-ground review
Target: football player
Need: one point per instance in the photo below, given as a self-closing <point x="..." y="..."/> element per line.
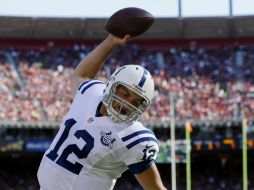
<point x="100" y="136"/>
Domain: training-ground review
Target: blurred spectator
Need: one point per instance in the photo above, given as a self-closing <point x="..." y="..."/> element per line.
<point x="211" y="84"/>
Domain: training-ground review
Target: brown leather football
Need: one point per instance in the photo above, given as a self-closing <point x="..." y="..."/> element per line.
<point x="131" y="20"/>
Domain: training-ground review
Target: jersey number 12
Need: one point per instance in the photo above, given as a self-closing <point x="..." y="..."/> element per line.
<point x="72" y="148"/>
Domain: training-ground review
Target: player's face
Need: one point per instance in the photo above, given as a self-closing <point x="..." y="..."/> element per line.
<point x="129" y="96"/>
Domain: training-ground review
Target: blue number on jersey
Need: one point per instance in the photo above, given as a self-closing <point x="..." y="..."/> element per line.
<point x="72" y="148"/>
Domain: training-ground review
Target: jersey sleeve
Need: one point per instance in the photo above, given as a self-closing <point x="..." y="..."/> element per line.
<point x="85" y="85"/>
<point x="86" y="92"/>
<point x="142" y="148"/>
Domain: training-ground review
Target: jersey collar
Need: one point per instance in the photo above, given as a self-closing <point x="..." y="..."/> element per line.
<point x="98" y="114"/>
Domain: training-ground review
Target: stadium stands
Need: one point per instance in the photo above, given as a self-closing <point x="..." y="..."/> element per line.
<point x="213" y="84"/>
<point x="210" y="83"/>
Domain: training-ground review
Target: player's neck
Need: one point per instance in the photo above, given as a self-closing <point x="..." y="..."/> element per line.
<point x="103" y="110"/>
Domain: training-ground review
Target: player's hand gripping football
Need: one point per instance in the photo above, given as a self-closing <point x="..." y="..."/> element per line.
<point x="119" y="41"/>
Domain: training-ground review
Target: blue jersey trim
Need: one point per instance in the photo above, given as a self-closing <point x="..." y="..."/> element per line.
<point x="140" y="166"/>
<point x="136" y="134"/>
<point x="91" y="84"/>
<point x="98" y="114"/>
<point x="129" y="146"/>
<point x="143" y="79"/>
<point x="83" y="84"/>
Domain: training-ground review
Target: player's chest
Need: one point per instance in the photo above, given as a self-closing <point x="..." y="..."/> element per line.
<point x="98" y="135"/>
<point x="79" y="144"/>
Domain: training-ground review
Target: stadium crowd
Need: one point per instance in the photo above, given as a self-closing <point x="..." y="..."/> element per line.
<point x="208" y="83"/>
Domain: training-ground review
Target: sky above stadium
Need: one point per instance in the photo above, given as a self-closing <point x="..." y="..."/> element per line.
<point x="105" y="8"/>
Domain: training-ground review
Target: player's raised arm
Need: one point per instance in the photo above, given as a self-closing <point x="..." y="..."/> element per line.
<point x="90" y="65"/>
<point x="150" y="179"/>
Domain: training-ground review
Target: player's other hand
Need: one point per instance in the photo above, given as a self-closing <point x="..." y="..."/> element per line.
<point x="119" y="41"/>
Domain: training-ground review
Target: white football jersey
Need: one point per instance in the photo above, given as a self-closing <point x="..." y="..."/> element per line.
<point x="91" y="151"/>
